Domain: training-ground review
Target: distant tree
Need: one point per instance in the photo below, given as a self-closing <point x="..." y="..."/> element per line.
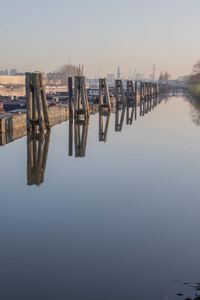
<point x="164" y="76"/>
<point x="64" y="72"/>
<point x="194" y="78"/>
<point x="161" y="77"/>
<point x="196" y="67"/>
<point x="167" y="76"/>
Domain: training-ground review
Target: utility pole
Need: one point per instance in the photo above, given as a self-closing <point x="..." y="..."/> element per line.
<point x="154" y="71"/>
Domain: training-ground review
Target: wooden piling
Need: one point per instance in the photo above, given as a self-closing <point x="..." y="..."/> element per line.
<point x="130" y="91"/>
<point x="104" y="96"/>
<point x="80" y="96"/>
<point x="70" y="92"/>
<point x="136" y="90"/>
<point x="119" y="92"/>
<point x="37" y="108"/>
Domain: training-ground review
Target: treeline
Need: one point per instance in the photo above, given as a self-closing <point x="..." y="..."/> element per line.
<point x="193" y="81"/>
<point x="164" y="76"/>
<point x="61" y="75"/>
<point x="194" y="78"/>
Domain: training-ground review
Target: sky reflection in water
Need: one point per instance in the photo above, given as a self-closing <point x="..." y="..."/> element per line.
<point x="114" y="220"/>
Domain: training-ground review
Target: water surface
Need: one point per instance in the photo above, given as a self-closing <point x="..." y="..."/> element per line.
<point x="120" y="222"/>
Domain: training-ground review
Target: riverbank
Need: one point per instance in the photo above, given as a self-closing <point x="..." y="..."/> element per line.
<point x="194" y="90"/>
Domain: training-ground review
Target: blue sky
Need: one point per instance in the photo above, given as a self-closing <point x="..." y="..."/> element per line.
<point x="42" y="35"/>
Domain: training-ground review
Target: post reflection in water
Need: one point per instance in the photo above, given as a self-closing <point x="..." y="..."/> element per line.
<point x="131" y="112"/>
<point x="38" y="142"/>
<point x="71" y="121"/>
<point x="103" y="131"/>
<point x="80" y="135"/>
<point x="146" y="106"/>
<point x="119" y="118"/>
<point x="37" y="153"/>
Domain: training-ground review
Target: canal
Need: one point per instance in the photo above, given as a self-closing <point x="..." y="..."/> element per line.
<point x="120" y="222"/>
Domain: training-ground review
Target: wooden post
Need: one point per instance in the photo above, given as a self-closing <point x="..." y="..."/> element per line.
<point x="145" y="90"/>
<point x="119" y="91"/>
<point x="80" y="96"/>
<point x="141" y="90"/>
<point x="150" y="89"/>
<point x="44" y="101"/>
<point x="104" y="96"/>
<point x="136" y="90"/>
<point x="70" y="91"/>
<point x="37" y="108"/>
<point x="29" y="114"/>
<point x="130" y="91"/>
<point x="36" y="85"/>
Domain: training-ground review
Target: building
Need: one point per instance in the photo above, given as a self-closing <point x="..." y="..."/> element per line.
<point x="13" y="72"/>
<point x="12" y="80"/>
<point x="111" y="79"/>
<point x="139" y="76"/>
<point x="4" y="73"/>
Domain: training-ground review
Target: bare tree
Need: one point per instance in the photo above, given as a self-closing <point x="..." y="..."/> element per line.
<point x="161" y="77"/>
<point x="167" y="76"/>
<point x="164" y="76"/>
<point x="64" y="72"/>
<point x="196" y="67"/>
<point x="194" y="78"/>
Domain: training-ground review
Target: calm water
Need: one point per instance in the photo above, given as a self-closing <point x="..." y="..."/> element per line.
<point x="120" y="223"/>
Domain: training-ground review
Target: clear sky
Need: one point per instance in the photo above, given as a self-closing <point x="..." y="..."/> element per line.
<point x="134" y="34"/>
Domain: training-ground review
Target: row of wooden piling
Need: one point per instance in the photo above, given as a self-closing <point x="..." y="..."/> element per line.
<point x="37" y="107"/>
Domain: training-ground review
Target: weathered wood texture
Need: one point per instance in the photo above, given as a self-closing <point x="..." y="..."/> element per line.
<point x="80" y="96"/>
<point x="36" y="103"/>
<point x="119" y="92"/>
<point x="104" y="95"/>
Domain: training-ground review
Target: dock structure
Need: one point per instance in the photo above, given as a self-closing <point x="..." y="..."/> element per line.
<point x="104" y="95"/>
<point x="81" y="105"/>
<point x="36" y="103"/>
<point x="15" y="124"/>
<point x="119" y="92"/>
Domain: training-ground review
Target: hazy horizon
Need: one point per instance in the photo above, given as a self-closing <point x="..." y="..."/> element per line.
<point x="101" y="35"/>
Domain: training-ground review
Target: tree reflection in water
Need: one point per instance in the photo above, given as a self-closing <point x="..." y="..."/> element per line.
<point x="195" y="110"/>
